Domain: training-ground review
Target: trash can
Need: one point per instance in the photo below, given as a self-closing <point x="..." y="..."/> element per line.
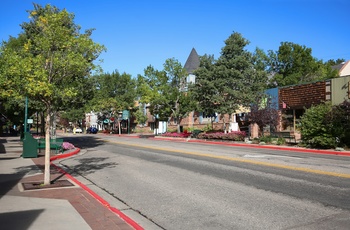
<point x="30" y="146"/>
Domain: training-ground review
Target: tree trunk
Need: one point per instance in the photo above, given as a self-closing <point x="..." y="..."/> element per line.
<point x="179" y="125"/>
<point x="47" y="178"/>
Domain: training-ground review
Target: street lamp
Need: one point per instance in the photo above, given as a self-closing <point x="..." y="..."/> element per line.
<point x="25" y="114"/>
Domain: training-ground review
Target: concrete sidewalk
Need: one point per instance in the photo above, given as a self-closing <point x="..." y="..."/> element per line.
<point x="71" y="207"/>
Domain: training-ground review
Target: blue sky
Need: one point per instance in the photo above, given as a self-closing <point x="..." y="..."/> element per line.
<point x="138" y="33"/>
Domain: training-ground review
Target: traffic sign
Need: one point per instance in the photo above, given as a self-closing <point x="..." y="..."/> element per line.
<point x="125" y="114"/>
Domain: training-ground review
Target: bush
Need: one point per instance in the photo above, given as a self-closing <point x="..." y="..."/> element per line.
<point x="281" y="141"/>
<point x="340" y="118"/>
<point x="266" y="139"/>
<point x="233" y="136"/>
<point x="317" y="127"/>
<point x="175" y="134"/>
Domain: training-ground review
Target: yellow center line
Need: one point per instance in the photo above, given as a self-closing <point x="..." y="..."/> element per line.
<point x="235" y="159"/>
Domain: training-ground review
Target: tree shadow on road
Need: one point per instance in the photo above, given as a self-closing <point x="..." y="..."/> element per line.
<point x="84" y="142"/>
<point x="91" y="165"/>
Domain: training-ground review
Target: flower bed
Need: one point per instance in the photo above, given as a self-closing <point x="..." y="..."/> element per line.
<point x="233" y="136"/>
<point x="174" y="134"/>
<point x="67" y="146"/>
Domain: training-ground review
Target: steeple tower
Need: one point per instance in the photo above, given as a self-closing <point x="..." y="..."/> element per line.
<point x="192" y="62"/>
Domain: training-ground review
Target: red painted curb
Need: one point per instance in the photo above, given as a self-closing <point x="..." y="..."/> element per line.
<point x="92" y="193"/>
<point x="317" y="151"/>
<point x="76" y="151"/>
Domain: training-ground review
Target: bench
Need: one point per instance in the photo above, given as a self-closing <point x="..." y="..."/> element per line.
<point x="286" y="135"/>
<point x="55" y="144"/>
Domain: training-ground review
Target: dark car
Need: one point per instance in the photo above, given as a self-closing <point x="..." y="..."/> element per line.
<point x="92" y="130"/>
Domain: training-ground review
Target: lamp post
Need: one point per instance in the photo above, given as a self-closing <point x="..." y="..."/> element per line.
<point x="25" y="114"/>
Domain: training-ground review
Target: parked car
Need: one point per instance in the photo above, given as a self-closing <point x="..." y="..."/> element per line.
<point x="78" y="130"/>
<point x="92" y="130"/>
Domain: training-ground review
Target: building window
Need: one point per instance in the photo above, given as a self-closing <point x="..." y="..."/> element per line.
<point x="207" y="118"/>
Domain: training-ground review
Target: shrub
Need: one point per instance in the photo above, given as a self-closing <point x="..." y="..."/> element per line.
<point x="340" y="118"/>
<point x="316" y="129"/>
<point x="208" y="128"/>
<point x="190" y="129"/>
<point x="281" y="141"/>
<point x="266" y="139"/>
<point x="175" y="134"/>
<point x="233" y="136"/>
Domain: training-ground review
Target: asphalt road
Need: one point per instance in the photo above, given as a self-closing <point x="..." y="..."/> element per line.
<point x="180" y="185"/>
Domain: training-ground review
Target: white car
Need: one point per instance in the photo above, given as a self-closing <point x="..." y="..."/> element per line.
<point x="78" y="130"/>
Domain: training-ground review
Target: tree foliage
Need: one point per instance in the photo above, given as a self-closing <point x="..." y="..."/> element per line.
<point x="232" y="81"/>
<point x="333" y="62"/>
<point x="50" y="64"/>
<point x="264" y="113"/>
<point x="205" y="91"/>
<point x="294" y="64"/>
<point x="166" y="91"/>
<point x="113" y="90"/>
<point x="140" y="116"/>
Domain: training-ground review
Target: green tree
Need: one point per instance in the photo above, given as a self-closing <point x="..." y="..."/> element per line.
<point x="140" y="116"/>
<point x="294" y="64"/>
<point x="150" y="88"/>
<point x="205" y="90"/>
<point x="178" y="96"/>
<point x="74" y="115"/>
<point x="51" y="65"/>
<point x="113" y="93"/>
<point x="260" y="60"/>
<point x="231" y="81"/>
<point x="333" y="62"/>
<point x="166" y="91"/>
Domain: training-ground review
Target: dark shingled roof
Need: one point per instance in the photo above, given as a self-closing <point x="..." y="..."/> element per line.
<point x="192" y="62"/>
<point x="339" y="66"/>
